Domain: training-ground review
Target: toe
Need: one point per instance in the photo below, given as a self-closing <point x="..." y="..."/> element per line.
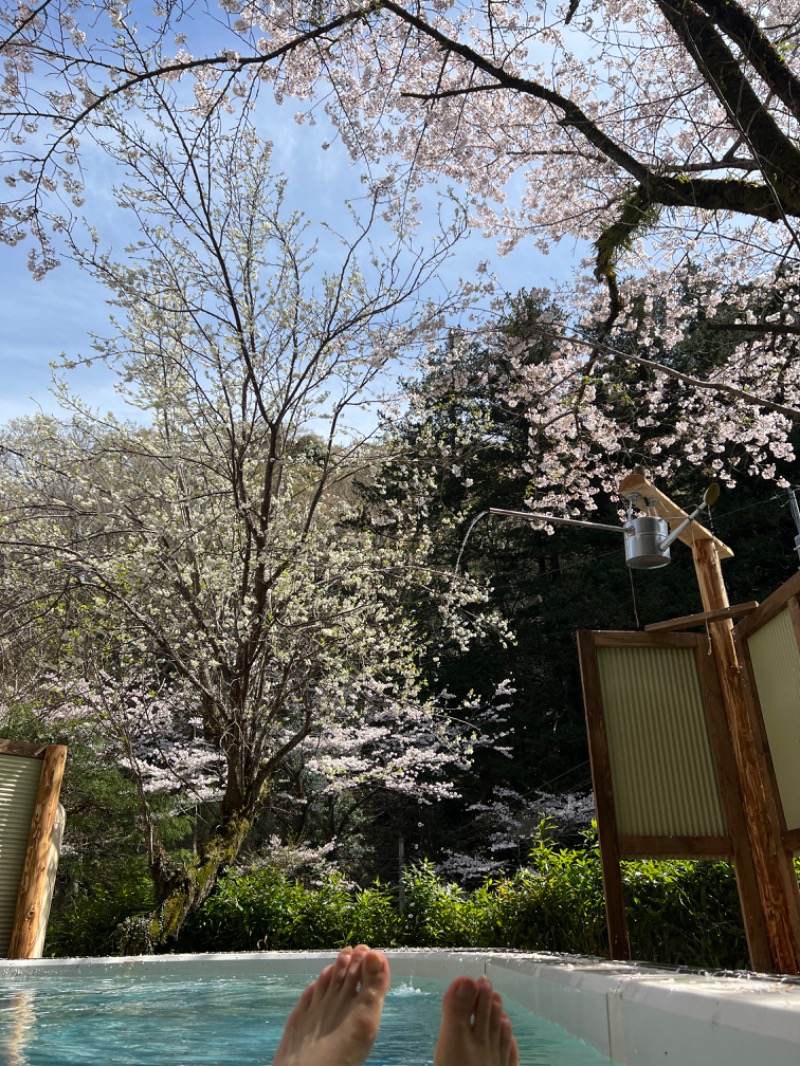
<point x="341" y="966"/>
<point x="513" y="1058"/>
<point x="483" y="1007"/>
<point x="506" y="1040"/>
<point x="375" y="976"/>
<point x="325" y="979"/>
<point x="495" y="1016"/>
<point x="304" y="1002"/>
<point x="353" y="975"/>
<point x="459" y="1000"/>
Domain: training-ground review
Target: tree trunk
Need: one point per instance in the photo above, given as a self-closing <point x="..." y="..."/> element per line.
<point x="184" y="892"/>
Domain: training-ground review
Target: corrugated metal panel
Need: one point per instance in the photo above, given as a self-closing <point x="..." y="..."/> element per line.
<point x="662" y="769"/>
<point x="19" y="782"/>
<point x="776" y="668"/>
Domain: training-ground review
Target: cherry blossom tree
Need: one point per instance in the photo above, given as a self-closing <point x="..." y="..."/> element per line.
<point x="194" y="566"/>
<point x="470" y="440"/>
<point x="506" y="827"/>
<point x="663" y="131"/>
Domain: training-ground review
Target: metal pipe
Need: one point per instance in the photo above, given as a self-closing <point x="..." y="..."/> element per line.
<point x="530" y="516"/>
<point x="679" y="529"/>
<point x="795" y="515"/>
<point x="793" y="506"/>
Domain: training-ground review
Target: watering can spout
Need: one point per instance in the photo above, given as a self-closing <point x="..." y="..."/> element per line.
<point x="710" y="497"/>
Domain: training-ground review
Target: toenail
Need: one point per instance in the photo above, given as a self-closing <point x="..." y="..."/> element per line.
<point x="464" y="991"/>
<point x="374" y="963"/>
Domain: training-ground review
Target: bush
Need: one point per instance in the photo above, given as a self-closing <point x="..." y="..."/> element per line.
<point x="84" y="923"/>
<point x="679" y="913"/>
<point x="265" y="910"/>
<point x="556" y="904"/>
<point x="685" y="914"/>
<point x="437" y="914"/>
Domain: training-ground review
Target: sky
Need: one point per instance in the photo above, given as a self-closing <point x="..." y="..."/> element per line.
<point x="41" y="320"/>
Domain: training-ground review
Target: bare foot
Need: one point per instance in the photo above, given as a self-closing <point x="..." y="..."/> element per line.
<point x="475" y="1030"/>
<point x="337" y="1017"/>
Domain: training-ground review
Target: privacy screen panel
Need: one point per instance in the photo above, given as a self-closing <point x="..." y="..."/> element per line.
<point x="19" y="782"/>
<point x="775" y="664"/>
<point x="662" y="768"/>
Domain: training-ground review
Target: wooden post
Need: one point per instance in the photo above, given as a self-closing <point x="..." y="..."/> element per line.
<point x="765" y="875"/>
<point x="779" y="896"/>
<point x="34" y="872"/>
<point x="616" y="920"/>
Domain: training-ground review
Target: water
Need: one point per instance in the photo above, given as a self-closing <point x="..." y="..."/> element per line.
<point x="467" y="535"/>
<point x="173" y="1021"/>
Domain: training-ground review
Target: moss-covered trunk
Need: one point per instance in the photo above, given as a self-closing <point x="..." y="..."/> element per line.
<point x="190" y="888"/>
<point x="184" y="891"/>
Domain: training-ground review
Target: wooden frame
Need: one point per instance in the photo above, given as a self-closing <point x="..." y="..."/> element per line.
<point x="33" y="898"/>
<point x="671" y="842"/>
<point x="765" y="874"/>
<point x="786" y="597"/>
<point x="702" y="618"/>
<point x="599" y="757"/>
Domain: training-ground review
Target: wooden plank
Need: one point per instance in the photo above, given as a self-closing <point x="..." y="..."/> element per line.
<point x="793" y="608"/>
<point x="728" y="779"/>
<point x="793" y="840"/>
<point x="27" y="751"/>
<point x="33" y="884"/>
<point x="636" y="484"/>
<point x="675" y="847"/>
<point x="691" y="621"/>
<point x="627" y="638"/>
<point x="771" y="606"/>
<point x="775" y="891"/>
<point x="619" y="941"/>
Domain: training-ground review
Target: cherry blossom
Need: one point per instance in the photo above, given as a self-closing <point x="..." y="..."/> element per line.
<point x="663" y="133"/>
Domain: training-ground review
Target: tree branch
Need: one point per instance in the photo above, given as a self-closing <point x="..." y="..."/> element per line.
<point x="778" y="156"/>
<point x="791" y="413"/>
<point x="739" y="25"/>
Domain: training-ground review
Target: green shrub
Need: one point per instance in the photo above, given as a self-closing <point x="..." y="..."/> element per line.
<point x="685" y="914"/>
<point x="84" y="924"/>
<point x="556" y="904"/>
<point x="265" y="910"/>
<point x="374" y="918"/>
<point x="436" y="913"/>
<point x="679" y="913"/>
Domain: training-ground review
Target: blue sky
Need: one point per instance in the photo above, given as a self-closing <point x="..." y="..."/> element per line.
<point x="43" y="319"/>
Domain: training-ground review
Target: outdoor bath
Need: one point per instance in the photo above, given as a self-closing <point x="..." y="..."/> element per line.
<point x="633" y="1014"/>
<point x="280" y="325"/>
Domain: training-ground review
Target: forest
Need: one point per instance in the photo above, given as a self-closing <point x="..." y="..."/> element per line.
<point x="411" y="696"/>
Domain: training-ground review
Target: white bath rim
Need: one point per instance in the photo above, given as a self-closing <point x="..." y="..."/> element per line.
<point x="635" y="1014"/>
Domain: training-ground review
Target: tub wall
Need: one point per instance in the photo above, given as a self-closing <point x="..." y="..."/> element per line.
<point x="640" y="1016"/>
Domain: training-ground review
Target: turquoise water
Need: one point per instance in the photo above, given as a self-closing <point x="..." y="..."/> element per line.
<point x="172" y="1021"/>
